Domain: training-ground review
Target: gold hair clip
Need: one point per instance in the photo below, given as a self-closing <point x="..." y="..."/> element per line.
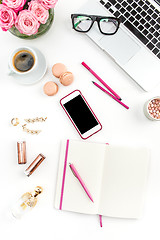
<point x="33" y="120"/>
<point x="25" y="129"/>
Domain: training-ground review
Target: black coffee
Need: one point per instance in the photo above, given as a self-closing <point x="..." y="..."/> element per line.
<point x="23" y="61"/>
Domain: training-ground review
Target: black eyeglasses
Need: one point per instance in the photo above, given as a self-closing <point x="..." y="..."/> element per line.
<point x="83" y="23"/>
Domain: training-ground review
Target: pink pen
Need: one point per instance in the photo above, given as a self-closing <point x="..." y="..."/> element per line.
<point x="100" y="79"/>
<point x="124" y="105"/>
<point x="76" y="174"/>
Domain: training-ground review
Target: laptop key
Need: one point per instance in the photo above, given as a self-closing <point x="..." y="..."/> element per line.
<point x="156" y="34"/>
<point x="152" y="22"/>
<point x="107" y="5"/>
<point x="145" y="7"/>
<point x="158" y="20"/>
<point x="116" y="14"/>
<point x="141" y="3"/>
<point x="154" y="40"/>
<point x="158" y="55"/>
<point x="136" y="23"/>
<point x="150" y="11"/>
<point x="137" y="33"/>
<point x="129" y="1"/>
<point x="131" y="19"/>
<point x="124" y="4"/>
<point x="150" y="36"/>
<point x="122" y="18"/>
<point x="148" y="18"/>
<point x="129" y="8"/>
<point x="157" y="27"/>
<point x="137" y="16"/>
<point x="111" y="10"/>
<point x="155" y="50"/>
<point x="122" y="10"/>
<point x="142" y="21"/>
<point x="118" y="6"/>
<point x="151" y="30"/>
<point x="145" y="32"/>
<point x="102" y="2"/>
<point x="150" y="46"/>
<point x="112" y="1"/>
<point x="158" y="45"/>
<point x="148" y="3"/>
<point x="139" y="9"/>
<point x="154" y="16"/>
<point x="127" y="14"/>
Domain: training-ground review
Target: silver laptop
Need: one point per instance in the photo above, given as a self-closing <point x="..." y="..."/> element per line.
<point x="136" y="45"/>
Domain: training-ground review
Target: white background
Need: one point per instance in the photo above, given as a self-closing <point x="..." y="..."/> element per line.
<point x="120" y="126"/>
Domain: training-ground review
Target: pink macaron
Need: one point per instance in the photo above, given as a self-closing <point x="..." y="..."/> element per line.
<point x="58" y="69"/>
<point x="50" y="88"/>
<point x="66" y="78"/>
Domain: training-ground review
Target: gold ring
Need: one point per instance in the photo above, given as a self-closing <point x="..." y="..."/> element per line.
<point x="15" y="121"/>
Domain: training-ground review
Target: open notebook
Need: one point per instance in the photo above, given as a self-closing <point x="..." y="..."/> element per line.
<point x="115" y="176"/>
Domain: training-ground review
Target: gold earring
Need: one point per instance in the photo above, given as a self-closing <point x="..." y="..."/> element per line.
<point x="15" y="121"/>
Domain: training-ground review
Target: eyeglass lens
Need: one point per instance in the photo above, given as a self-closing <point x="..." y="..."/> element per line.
<point x="107" y="25"/>
<point x="82" y="23"/>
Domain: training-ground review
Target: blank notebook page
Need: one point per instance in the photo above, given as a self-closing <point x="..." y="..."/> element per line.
<point x="88" y="160"/>
<point x="124" y="181"/>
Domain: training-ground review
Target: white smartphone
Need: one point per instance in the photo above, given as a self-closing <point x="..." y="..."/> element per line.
<point x="80" y="114"/>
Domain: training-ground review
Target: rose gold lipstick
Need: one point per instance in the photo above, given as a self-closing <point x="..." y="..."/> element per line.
<point x="34" y="165"/>
<point x="21" y="148"/>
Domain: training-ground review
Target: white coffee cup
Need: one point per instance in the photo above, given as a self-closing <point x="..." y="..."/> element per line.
<point x="13" y="70"/>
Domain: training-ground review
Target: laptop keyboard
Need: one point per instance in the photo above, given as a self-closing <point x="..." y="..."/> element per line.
<point x="140" y="17"/>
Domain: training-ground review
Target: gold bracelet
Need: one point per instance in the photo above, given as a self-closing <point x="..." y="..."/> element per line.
<point x="25" y="129"/>
<point x="33" y="120"/>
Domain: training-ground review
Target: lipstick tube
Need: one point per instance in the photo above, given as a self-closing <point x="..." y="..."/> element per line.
<point x="21" y="149"/>
<point x="34" y="165"/>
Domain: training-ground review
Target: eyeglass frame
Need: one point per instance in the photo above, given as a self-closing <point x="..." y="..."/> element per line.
<point x="95" y="18"/>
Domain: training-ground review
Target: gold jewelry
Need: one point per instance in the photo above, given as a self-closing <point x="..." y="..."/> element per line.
<point x="33" y="120"/>
<point x="15" y="121"/>
<point x="25" y="129"/>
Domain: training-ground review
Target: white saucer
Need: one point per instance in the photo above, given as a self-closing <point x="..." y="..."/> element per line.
<point x="35" y="75"/>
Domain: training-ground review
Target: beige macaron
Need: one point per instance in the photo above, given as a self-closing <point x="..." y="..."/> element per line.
<point x="66" y="78"/>
<point x="50" y="88"/>
<point x="58" y="69"/>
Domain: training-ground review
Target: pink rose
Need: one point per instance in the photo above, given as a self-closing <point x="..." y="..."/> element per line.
<point x="7" y="17"/>
<point x="48" y="3"/>
<point x="27" y="22"/>
<point x="41" y="13"/>
<point x="17" y="5"/>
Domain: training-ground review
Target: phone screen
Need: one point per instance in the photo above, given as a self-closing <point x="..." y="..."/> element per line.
<point x="81" y="114"/>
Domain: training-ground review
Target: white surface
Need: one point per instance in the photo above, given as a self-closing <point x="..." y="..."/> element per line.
<point x="62" y="44"/>
<point x="115" y="176"/>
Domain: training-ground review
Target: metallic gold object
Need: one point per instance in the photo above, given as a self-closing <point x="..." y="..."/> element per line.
<point x="25" y="129"/>
<point x="33" y="166"/>
<point x="33" y="120"/>
<point x="27" y="202"/>
<point x="21" y="148"/>
<point x="15" y="121"/>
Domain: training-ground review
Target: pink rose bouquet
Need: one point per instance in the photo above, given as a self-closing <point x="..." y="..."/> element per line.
<point x="16" y="5"/>
<point x="26" y="16"/>
<point x="27" y="23"/>
<point x="48" y="3"/>
<point x="41" y="13"/>
<point x="7" y="17"/>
